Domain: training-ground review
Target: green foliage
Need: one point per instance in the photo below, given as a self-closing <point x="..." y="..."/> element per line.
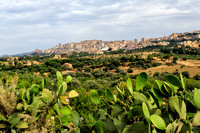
<point x="109" y="94"/>
<point x="59" y="77"/>
<point x="75" y="118"/>
<point x="146" y="112"/>
<point x="69" y="78"/>
<point x="191" y="84"/>
<point x="129" y="85"/>
<point x="174" y="80"/>
<point x="196" y="120"/>
<point x="197" y="98"/>
<point x="47" y="96"/>
<point x="141" y="80"/>
<point x="171" y="128"/>
<point x="137" y="127"/>
<point x="94" y="96"/>
<point x="166" y="105"/>
<point x="22" y="125"/>
<point x="174" y="104"/>
<point x="158" y="122"/>
<point x="129" y="70"/>
<point x="35" y="89"/>
<point x="92" y="84"/>
<point x="136" y="111"/>
<point x="100" y="127"/>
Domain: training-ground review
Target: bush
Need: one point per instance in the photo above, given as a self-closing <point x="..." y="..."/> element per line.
<point x="184" y="58"/>
<point x="104" y="83"/>
<point x="105" y="69"/>
<point x="191" y="84"/>
<point x="186" y="74"/>
<point x="114" y="83"/>
<point x="156" y="74"/>
<point x="182" y="66"/>
<point x="129" y="70"/>
<point x="87" y="74"/>
<point x="74" y="84"/>
<point x="169" y="64"/>
<point x="92" y="84"/>
<point x="87" y="69"/>
<point x="123" y="73"/>
<point x="176" y="73"/>
<point x="118" y="70"/>
<point x="98" y="73"/>
<point x="196" y="77"/>
<point x="110" y="75"/>
<point x="155" y="64"/>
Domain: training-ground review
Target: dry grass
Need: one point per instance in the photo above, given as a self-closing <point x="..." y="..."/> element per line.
<point x="192" y="66"/>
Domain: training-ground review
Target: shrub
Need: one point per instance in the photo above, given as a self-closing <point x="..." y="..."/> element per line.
<point x="110" y="75"/>
<point x="129" y="70"/>
<point x="186" y="74"/>
<point x="98" y="73"/>
<point x="105" y="69"/>
<point x="103" y="82"/>
<point x="87" y="69"/>
<point x="169" y="64"/>
<point x="184" y="58"/>
<point x="118" y="70"/>
<point x="74" y="84"/>
<point x="156" y="74"/>
<point x="192" y="83"/>
<point x="196" y="77"/>
<point x="123" y="73"/>
<point x="182" y="66"/>
<point x="87" y="74"/>
<point x="155" y="64"/>
<point x="92" y="84"/>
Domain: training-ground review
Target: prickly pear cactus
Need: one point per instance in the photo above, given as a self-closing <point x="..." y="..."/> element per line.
<point x="197" y="98"/>
<point x="158" y="122"/>
<point x="94" y="96"/>
<point x="141" y="80"/>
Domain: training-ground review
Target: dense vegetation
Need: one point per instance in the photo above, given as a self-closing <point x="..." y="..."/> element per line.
<point x="135" y="105"/>
<point x="99" y="96"/>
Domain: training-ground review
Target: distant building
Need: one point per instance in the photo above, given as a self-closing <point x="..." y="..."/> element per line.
<point x="60" y="45"/>
<point x="197" y="36"/>
<point x="144" y="39"/>
<point x="57" y="57"/>
<point x="136" y="41"/>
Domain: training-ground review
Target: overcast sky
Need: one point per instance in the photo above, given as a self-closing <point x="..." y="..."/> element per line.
<point x="29" y="24"/>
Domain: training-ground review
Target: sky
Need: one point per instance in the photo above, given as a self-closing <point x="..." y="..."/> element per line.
<point x="26" y="25"/>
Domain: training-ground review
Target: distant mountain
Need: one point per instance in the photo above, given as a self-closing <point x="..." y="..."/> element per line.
<point x="22" y="54"/>
<point x="4" y="55"/>
<point x="16" y="55"/>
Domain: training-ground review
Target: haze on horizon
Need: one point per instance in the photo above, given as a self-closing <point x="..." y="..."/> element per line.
<point x="31" y="24"/>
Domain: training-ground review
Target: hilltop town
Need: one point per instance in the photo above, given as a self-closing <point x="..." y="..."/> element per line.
<point x="98" y="46"/>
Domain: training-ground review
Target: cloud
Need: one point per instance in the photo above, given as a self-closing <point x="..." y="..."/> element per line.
<point x="42" y="24"/>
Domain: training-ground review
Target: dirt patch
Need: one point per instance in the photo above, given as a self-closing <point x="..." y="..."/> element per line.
<point x="195" y="63"/>
<point x="164" y="68"/>
<point x="65" y="72"/>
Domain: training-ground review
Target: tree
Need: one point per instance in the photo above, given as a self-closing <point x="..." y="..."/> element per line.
<point x="175" y="59"/>
<point x="15" y="62"/>
<point x="115" y="62"/>
<point x="166" y="56"/>
<point x="150" y="57"/>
